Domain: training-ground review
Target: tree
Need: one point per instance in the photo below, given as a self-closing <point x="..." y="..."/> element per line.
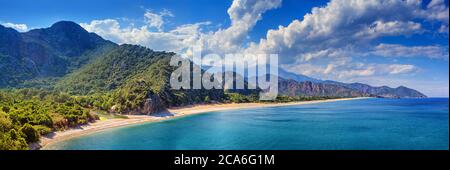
<point x="30" y="133"/>
<point x="12" y="140"/>
<point x="207" y="100"/>
<point x="5" y="122"/>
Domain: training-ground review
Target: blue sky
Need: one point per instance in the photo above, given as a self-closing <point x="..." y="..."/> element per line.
<point x="376" y="42"/>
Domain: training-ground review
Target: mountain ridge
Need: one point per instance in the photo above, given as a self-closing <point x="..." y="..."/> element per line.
<point x="46" y="52"/>
<point x="382" y="91"/>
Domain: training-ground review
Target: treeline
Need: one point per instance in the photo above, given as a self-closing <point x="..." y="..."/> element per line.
<point x="254" y="98"/>
<point x="26" y="114"/>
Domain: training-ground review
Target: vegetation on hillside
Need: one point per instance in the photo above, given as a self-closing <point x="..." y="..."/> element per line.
<point x="25" y="114"/>
<point x="47" y="52"/>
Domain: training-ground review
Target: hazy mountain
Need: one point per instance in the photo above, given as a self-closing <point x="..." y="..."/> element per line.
<point x="291" y="87"/>
<point x="324" y="85"/>
<point x="383" y="91"/>
<point x="297" y="77"/>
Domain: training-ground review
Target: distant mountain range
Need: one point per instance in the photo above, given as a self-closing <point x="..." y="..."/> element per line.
<point x="85" y="63"/>
<point x="298" y="81"/>
<point x="297" y="77"/>
<point x="292" y="88"/>
<point x="383" y="91"/>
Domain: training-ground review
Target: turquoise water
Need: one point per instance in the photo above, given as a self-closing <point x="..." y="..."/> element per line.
<point x="372" y="124"/>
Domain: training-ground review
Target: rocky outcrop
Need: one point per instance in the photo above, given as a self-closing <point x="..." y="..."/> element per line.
<point x="153" y="104"/>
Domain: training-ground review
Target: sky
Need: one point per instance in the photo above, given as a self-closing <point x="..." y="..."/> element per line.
<point x="389" y="42"/>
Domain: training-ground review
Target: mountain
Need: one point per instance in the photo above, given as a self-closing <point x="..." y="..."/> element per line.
<point x="339" y="88"/>
<point x="293" y="88"/>
<point x="137" y="79"/>
<point x="297" y="77"/>
<point x="65" y="38"/>
<point x="110" y="70"/>
<point x="47" y="52"/>
<point x="383" y="91"/>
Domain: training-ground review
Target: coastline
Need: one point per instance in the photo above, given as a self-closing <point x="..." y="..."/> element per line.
<point x="101" y="125"/>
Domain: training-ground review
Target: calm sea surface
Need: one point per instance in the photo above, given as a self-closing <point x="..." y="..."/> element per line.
<point x="357" y="124"/>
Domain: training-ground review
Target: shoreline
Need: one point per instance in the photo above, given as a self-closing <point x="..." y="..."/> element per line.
<point x="101" y="125"/>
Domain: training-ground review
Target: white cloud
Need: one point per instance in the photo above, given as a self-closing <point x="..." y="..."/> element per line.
<point x="306" y="69"/>
<point x="399" y="68"/>
<point x="391" y="28"/>
<point x="156" y="20"/>
<point x="329" y="69"/>
<point x="18" y="27"/>
<point x="369" y="71"/>
<point x="437" y="10"/>
<point x="176" y="40"/>
<point x="397" y="50"/>
<point x="346" y="70"/>
<point x="327" y="53"/>
<point x="343" y="23"/>
<point x="443" y="29"/>
<point x="244" y="14"/>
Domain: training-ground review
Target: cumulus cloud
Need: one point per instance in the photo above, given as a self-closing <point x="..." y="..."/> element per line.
<point x="342" y="23"/>
<point x="156" y="20"/>
<point x="391" y="28"/>
<point x="244" y="14"/>
<point x="327" y="53"/>
<point x="346" y="29"/>
<point x="177" y="39"/>
<point x="369" y="71"/>
<point x="18" y="27"/>
<point x="397" y="50"/>
<point x="349" y="70"/>
<point x="399" y="68"/>
<point x="437" y="10"/>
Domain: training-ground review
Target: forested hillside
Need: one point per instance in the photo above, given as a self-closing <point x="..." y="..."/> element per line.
<point x="47" y="52"/>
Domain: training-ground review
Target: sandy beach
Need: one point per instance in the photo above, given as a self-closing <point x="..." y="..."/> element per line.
<point x="101" y="125"/>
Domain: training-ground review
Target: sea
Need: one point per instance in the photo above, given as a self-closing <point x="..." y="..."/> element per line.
<point x="364" y="124"/>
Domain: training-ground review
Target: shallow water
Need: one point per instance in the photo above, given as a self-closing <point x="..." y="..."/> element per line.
<point x="372" y="124"/>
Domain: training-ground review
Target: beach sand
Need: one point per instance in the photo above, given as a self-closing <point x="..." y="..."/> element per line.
<point x="172" y="113"/>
